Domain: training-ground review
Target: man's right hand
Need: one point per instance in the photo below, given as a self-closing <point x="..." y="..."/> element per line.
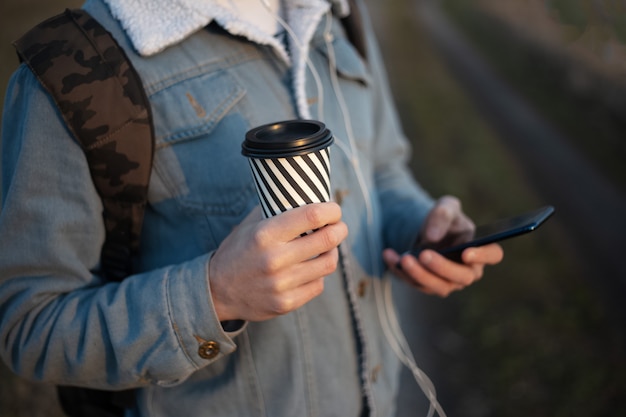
<point x="264" y="269"/>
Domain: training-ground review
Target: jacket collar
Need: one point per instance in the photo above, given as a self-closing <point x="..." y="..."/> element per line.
<point x="153" y="25"/>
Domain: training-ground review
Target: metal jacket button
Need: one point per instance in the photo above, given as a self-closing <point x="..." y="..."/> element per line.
<point x="209" y="350"/>
<point x="362" y="288"/>
<point x="376" y="372"/>
<point x="340" y="195"/>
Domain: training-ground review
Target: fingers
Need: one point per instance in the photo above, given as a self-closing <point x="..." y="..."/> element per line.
<point x="305" y="273"/>
<point x="320" y="241"/>
<point x="285" y="290"/>
<point x="491" y="254"/>
<point x="410" y="270"/>
<point x="263" y="268"/>
<point x="446" y="217"/>
<point x="283" y="236"/>
<point x="293" y="299"/>
<point x="293" y="223"/>
<point x="434" y="274"/>
<point x="441" y="217"/>
<point x="437" y="275"/>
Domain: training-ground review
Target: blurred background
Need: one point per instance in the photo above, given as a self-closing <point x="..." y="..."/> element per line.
<point x="510" y="105"/>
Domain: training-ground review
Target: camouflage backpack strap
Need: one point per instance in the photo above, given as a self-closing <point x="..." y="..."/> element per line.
<point x="102" y="100"/>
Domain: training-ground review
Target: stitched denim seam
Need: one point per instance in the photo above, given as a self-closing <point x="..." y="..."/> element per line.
<point x="200" y="70"/>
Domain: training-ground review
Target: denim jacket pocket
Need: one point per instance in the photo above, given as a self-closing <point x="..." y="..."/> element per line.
<point x="199" y="131"/>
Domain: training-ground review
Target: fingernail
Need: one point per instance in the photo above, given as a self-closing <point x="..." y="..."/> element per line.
<point x="426" y="257"/>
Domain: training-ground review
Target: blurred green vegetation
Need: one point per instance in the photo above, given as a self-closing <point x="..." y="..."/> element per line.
<point x="580" y="14"/>
<point x="571" y="13"/>
<point x="579" y="89"/>
<point x="534" y="337"/>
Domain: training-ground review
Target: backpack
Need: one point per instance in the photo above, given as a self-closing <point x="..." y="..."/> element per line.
<point x="104" y="106"/>
<point x="101" y="98"/>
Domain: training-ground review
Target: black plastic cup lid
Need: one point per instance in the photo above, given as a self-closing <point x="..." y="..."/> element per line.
<point x="285" y="139"/>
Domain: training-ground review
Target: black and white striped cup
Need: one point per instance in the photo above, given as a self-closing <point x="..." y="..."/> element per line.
<point x="290" y="163"/>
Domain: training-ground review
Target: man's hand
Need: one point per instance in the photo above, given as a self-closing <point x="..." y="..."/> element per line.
<point x="264" y="268"/>
<point x="431" y="272"/>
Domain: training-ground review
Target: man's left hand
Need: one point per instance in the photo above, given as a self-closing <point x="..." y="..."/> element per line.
<point x="431" y="272"/>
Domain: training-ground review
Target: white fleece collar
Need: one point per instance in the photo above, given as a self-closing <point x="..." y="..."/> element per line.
<point x="153" y="25"/>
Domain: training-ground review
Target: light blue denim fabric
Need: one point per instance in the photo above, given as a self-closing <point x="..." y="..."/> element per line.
<point x="61" y="323"/>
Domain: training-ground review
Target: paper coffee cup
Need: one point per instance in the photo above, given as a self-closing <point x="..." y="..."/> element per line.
<point x="290" y="163"/>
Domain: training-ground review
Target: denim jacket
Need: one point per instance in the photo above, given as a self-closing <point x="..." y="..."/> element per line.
<point x="61" y="323"/>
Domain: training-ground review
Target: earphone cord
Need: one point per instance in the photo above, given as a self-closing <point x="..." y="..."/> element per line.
<point x="384" y="301"/>
<point x="309" y="64"/>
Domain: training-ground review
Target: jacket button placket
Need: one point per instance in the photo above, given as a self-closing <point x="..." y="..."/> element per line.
<point x="361" y="289"/>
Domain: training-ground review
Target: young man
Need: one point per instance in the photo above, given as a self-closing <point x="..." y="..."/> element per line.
<point x="227" y="313"/>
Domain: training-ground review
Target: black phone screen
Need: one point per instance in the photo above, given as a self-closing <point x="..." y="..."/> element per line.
<point x="452" y="245"/>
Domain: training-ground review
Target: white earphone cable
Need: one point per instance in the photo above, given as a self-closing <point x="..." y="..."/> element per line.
<point x="384" y="300"/>
<point x="382" y="287"/>
<point x="309" y="64"/>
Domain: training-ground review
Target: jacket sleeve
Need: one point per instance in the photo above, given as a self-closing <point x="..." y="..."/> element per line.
<point x="59" y="321"/>
<point x="404" y="203"/>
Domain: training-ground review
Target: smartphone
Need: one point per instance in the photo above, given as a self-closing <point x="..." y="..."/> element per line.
<point x="452" y="245"/>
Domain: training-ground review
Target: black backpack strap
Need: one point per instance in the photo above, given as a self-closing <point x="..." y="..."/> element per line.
<point x="102" y="100"/>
